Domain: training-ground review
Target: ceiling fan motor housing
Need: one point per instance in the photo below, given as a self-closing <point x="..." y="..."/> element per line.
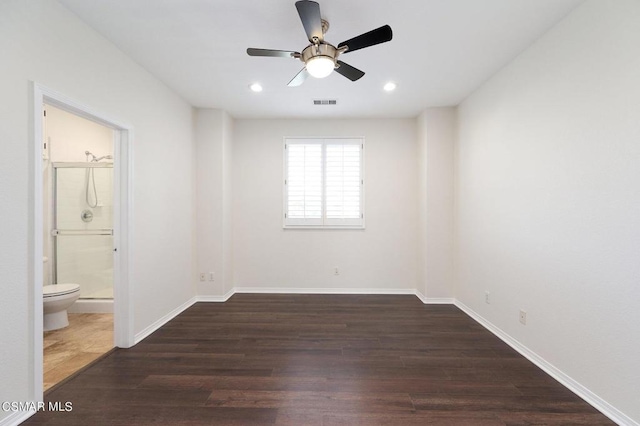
<point x="316" y="50"/>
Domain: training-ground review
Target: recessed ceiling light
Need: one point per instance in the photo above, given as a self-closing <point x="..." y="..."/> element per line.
<point x="389" y="87"/>
<point x="255" y="87"/>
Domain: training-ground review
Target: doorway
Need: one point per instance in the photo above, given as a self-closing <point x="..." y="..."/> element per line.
<point x="77" y="242"/>
<point x="110" y="291"/>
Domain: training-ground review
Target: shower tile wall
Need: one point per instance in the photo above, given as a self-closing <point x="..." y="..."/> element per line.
<point x="71" y="198"/>
<point x="68" y="137"/>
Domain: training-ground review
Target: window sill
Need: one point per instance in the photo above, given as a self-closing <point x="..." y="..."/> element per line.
<point x="320" y="228"/>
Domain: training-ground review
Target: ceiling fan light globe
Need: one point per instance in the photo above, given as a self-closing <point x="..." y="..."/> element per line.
<point x="320" y="66"/>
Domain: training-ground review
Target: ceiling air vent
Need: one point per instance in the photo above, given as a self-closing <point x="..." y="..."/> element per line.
<point x="325" y="102"/>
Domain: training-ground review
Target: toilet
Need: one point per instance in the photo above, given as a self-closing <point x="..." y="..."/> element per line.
<point x="57" y="299"/>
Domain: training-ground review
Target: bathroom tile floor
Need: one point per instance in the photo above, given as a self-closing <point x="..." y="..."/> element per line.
<point x="69" y="349"/>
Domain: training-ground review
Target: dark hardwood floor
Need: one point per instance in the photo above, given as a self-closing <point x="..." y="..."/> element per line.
<point x="318" y="360"/>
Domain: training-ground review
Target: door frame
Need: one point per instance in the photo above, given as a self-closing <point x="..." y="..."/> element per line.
<point x="122" y="223"/>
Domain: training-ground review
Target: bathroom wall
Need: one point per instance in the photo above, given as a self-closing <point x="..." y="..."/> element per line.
<point x="69" y="136"/>
<point x="548" y="200"/>
<point x="42" y="41"/>
<point x="84" y="260"/>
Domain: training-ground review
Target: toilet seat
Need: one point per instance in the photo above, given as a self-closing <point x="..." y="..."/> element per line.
<point x="59" y="289"/>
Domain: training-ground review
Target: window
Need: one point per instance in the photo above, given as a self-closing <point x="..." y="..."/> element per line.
<point x="323" y="184"/>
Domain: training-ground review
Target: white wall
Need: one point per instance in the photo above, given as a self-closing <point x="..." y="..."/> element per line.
<point x="436" y="139"/>
<point x="548" y="199"/>
<point x="213" y="135"/>
<point x="42" y="41"/>
<point x="227" y="197"/>
<point x="381" y="257"/>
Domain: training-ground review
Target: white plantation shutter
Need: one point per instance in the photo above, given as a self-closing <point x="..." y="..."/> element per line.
<point x="324" y="182"/>
<point x="304" y="184"/>
<point x="343" y="183"/>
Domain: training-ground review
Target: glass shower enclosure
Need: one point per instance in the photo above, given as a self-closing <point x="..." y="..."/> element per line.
<point x="83" y="227"/>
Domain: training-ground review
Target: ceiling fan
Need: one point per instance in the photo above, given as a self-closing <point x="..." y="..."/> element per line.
<point x="321" y="58"/>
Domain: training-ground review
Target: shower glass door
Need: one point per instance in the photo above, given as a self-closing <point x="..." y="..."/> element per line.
<point x="83" y="227"/>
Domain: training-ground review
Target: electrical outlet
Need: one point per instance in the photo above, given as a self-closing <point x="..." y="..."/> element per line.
<point x="201" y="276"/>
<point x="487" y="300"/>
<point x="210" y="276"/>
<point x="336" y="271"/>
<point x="523" y="317"/>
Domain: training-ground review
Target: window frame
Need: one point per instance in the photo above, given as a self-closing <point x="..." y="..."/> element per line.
<point x="323" y="222"/>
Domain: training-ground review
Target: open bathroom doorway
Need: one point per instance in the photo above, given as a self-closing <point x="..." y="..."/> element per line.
<point x="81" y="206"/>
<point x="78" y="260"/>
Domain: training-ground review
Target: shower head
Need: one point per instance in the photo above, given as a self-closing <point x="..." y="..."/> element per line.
<point x="95" y="159"/>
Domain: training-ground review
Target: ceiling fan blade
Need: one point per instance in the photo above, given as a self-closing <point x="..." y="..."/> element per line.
<point x="270" y="52"/>
<point x="373" y="37"/>
<point x="348" y="71"/>
<point x="299" y="78"/>
<point x="309" y="12"/>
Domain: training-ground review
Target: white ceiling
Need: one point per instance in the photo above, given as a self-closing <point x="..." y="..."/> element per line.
<point x="441" y="50"/>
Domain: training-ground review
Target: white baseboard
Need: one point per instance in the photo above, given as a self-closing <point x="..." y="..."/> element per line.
<point x="440" y="301"/>
<point x="91" y="306"/>
<point x="323" y="290"/>
<point x="584" y="393"/>
<point x="222" y="298"/>
<point x="16" y="418"/>
<point x="434" y="300"/>
<point x="162" y="321"/>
